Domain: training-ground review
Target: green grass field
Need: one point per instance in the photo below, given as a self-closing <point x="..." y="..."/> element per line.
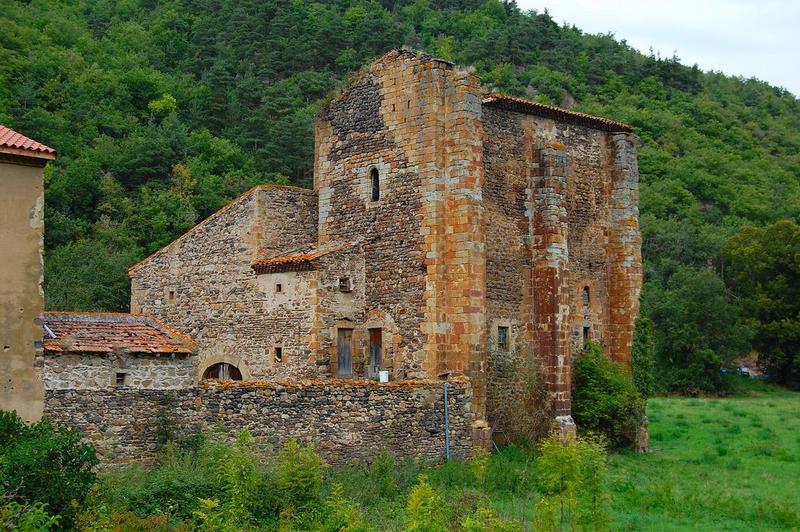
<point x="716" y="464"/>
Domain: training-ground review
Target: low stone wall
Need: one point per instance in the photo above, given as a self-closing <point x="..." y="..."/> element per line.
<point x="346" y="420"/>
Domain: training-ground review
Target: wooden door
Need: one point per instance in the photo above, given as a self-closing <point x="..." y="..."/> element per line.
<point x="344" y="352"/>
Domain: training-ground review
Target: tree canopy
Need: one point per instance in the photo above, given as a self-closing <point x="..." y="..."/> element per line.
<point x="164" y="110"/>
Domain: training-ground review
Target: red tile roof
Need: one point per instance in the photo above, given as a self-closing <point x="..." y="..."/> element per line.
<point x="13" y="143"/>
<point x="288" y="263"/>
<point x="88" y="332"/>
<point x="557" y="113"/>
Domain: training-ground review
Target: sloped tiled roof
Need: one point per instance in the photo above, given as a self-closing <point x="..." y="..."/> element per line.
<point x="14" y="143"/>
<point x="557" y="113"/>
<point x="88" y="332"/>
<point x="297" y="262"/>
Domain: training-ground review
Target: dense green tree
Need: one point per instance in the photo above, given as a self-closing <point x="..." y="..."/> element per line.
<point x="700" y="332"/>
<point x="222" y="94"/>
<point x="763" y="267"/>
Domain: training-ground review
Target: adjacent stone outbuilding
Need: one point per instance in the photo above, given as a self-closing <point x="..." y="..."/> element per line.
<point x="99" y="351"/>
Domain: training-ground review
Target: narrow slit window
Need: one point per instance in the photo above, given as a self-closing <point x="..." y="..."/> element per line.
<point x="502" y="339"/>
<point x="587" y="335"/>
<point x="375" y="179"/>
<point x="586" y="298"/>
<point x="375" y="351"/>
<point x="278" y="354"/>
<point x="171" y="296"/>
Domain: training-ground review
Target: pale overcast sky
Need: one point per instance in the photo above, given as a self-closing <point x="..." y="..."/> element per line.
<point x="750" y="38"/>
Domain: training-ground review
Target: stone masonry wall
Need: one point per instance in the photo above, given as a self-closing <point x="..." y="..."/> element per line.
<point x="533" y="166"/>
<point x="416" y="120"/>
<point x="203" y="285"/>
<point x="90" y="371"/>
<point x="346" y="420"/>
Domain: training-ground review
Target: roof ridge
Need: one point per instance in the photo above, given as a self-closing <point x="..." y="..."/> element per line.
<point x="213" y="216"/>
<point x="549" y="110"/>
<point x="14" y="143"/>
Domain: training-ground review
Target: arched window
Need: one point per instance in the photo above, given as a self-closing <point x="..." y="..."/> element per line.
<point x="376" y="184"/>
<point x="222" y="371"/>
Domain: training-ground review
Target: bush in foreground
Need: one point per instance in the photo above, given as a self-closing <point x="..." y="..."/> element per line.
<point x="604" y="398"/>
<point x="43" y="463"/>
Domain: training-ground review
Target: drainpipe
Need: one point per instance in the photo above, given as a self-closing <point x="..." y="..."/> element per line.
<point x="446" y="426"/>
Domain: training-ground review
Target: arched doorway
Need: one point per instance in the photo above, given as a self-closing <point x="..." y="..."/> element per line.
<point x="222" y="371"/>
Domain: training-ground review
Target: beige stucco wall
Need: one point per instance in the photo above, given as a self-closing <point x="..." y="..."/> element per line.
<point x="21" y="297"/>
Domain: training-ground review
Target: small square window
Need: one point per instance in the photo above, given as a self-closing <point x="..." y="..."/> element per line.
<point x="502" y="338"/>
<point x="345" y="284"/>
<point x="278" y="354"/>
<point x="119" y="379"/>
<point x="278" y="288"/>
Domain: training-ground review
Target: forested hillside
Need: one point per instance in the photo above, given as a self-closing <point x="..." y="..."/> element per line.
<point x="163" y="110"/>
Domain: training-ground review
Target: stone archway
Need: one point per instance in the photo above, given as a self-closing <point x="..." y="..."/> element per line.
<point x="222" y="371"/>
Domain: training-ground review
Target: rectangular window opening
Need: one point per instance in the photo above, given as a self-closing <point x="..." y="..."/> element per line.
<point x="278" y="288"/>
<point x="171" y="296"/>
<point x="120" y="379"/>
<point x="587" y="335"/>
<point x="344" y="352"/>
<point x="502" y="338"/>
<point x="345" y="284"/>
<point x="278" y="354"/>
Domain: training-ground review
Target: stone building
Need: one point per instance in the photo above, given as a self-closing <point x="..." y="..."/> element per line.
<point x="444" y="224"/>
<point x="96" y="351"/>
<point x="22" y="161"/>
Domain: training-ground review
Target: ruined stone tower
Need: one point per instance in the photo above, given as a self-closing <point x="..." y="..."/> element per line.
<point x="445" y="224"/>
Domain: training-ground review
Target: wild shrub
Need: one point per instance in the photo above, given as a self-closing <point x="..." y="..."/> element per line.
<point x="381" y="474"/>
<point x="299" y="480"/>
<point x="27" y="517"/>
<point x="425" y="510"/>
<point x="43" y="463"/>
<point x="486" y="520"/>
<point x="517" y="401"/>
<point x="643" y="357"/>
<point x="604" y="398"/>
<point x="572" y="476"/>
<point x="342" y="514"/>
<point x="237" y="472"/>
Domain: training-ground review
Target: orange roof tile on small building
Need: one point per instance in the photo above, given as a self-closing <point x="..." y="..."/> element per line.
<point x="13" y="143"/>
<point x="106" y="333"/>
<point x="557" y="113"/>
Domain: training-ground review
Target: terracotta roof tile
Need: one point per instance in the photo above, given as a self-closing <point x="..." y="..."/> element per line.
<point x="13" y="143"/>
<point x="556" y="113"/>
<point x="87" y="332"/>
<point x="288" y="263"/>
<point x="297" y="261"/>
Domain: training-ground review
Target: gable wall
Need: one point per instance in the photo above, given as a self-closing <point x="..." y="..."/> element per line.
<point x="235" y="315"/>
